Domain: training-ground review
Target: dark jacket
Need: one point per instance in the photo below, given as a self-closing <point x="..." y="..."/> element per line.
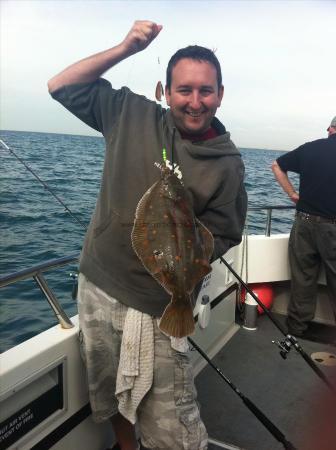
<point x="135" y="130"/>
<point x="315" y="162"/>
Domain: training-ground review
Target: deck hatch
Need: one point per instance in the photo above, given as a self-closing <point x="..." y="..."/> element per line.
<point x="29" y="404"/>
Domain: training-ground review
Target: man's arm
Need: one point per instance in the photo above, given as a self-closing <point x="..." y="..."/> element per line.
<point x="90" y="69"/>
<point x="284" y="182"/>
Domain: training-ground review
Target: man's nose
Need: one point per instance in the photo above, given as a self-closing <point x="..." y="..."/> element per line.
<point x="195" y="100"/>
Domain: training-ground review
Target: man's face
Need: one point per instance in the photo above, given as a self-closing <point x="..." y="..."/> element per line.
<point x="194" y="95"/>
<point x="331" y="130"/>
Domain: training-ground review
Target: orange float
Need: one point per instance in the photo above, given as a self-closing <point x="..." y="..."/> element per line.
<point x="264" y="292"/>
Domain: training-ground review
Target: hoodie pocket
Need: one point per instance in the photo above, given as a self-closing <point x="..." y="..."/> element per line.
<point x="113" y="217"/>
<point x="112" y="234"/>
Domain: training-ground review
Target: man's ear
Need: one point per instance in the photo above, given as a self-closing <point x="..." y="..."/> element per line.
<point x="167" y="95"/>
<point x="220" y="95"/>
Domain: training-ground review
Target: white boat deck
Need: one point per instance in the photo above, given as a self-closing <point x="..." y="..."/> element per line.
<point x="43" y="388"/>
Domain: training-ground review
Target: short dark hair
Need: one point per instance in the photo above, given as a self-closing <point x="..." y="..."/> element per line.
<point x="194" y="52"/>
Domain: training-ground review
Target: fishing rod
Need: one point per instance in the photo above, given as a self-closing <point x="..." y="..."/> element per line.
<point x="43" y="183"/>
<point x="250" y="405"/>
<point x="289" y="341"/>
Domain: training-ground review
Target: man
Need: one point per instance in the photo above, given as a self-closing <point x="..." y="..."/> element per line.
<point x="119" y="301"/>
<point x="313" y="236"/>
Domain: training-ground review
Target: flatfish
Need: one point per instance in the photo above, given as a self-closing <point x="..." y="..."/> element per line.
<point x="174" y="246"/>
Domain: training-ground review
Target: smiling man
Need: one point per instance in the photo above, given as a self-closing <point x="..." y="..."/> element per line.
<point x="194" y="90"/>
<point x="119" y="302"/>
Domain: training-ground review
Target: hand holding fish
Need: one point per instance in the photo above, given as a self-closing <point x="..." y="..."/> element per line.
<point x="142" y="33"/>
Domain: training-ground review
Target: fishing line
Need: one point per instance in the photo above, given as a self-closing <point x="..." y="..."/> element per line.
<point x="129" y="76"/>
<point x="160" y="99"/>
<point x="43" y="183"/>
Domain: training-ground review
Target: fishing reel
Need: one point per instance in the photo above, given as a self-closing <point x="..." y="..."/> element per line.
<point x="285" y="345"/>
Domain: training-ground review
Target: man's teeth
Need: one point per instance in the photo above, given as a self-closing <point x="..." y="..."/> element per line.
<point x="194" y="114"/>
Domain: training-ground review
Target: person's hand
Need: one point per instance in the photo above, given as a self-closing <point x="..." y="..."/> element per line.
<point x="294" y="196"/>
<point x="142" y="33"/>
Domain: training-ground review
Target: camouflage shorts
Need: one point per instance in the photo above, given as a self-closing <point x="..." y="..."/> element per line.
<point x="168" y="416"/>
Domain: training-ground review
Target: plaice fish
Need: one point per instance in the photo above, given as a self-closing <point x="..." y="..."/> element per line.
<point x="174" y="246"/>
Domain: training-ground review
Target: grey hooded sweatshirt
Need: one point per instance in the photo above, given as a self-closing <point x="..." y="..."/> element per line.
<point x="135" y="131"/>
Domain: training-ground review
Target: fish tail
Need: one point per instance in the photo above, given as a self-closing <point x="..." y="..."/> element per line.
<point x="177" y="319"/>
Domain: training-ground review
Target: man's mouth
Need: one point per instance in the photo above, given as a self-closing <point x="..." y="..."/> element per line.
<point x="194" y="113"/>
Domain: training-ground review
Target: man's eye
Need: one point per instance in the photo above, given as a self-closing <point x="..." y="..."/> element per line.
<point x="206" y="91"/>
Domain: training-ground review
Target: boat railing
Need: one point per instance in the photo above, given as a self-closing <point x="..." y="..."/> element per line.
<point x="269" y="210"/>
<point x="35" y="272"/>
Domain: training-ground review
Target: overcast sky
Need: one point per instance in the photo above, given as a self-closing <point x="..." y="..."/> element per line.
<point x="278" y="60"/>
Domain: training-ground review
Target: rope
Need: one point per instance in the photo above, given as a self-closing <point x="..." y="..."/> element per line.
<point x="244" y="262"/>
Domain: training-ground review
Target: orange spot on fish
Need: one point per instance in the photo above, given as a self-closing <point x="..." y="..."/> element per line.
<point x="178" y="258"/>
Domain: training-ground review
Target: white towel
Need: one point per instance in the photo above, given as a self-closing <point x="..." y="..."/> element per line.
<point x="135" y="371"/>
<point x="136" y="365"/>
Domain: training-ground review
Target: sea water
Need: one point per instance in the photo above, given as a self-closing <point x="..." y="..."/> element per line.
<point x="35" y="228"/>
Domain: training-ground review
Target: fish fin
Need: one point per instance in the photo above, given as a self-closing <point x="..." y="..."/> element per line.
<point x="140" y="234"/>
<point x="207" y="239"/>
<point x="177" y="319"/>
